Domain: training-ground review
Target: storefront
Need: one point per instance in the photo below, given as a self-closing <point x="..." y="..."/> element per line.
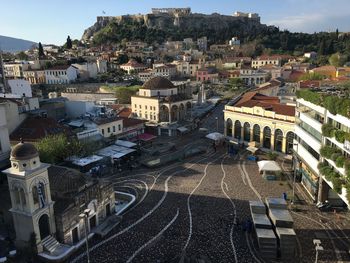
<point x="309" y="180"/>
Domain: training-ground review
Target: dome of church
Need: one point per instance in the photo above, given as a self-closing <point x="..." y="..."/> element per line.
<point x="158" y="83"/>
<point x="24" y="151"/>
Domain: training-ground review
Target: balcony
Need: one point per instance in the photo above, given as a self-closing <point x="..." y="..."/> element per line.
<point x="310" y="119"/>
<point x="307" y="137"/>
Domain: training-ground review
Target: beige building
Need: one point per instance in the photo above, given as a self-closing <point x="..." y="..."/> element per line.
<point x="133" y="67"/>
<point x="266" y="60"/>
<point x="106" y="126"/>
<point x="263" y="119"/>
<point x="35" y="76"/>
<point x="15" y="69"/>
<point x="159" y="100"/>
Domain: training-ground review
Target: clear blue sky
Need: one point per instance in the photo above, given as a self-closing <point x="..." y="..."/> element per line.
<point x="51" y="21"/>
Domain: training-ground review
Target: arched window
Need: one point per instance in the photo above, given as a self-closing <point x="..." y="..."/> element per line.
<point x="229" y="127"/>
<point x="35" y="195"/>
<point x="278" y="140"/>
<point x="246" y="128"/>
<point x="289" y="144"/>
<point x="267" y="138"/>
<point x="238" y="128"/>
<point x="256" y="133"/>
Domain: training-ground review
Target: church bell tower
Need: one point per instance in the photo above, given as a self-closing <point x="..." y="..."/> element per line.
<point x="32" y="207"/>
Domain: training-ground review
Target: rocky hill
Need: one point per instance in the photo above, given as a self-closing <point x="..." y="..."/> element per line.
<point x="159" y="27"/>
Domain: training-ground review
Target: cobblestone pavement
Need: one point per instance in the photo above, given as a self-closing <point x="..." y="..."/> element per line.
<point x="194" y="209"/>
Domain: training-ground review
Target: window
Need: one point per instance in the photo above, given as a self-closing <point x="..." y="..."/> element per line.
<point x="146" y="116"/>
<point x="35" y="195"/>
<point x="119" y="127"/>
<point x="135" y="105"/>
<point x="146" y="107"/>
<point x="108" y="129"/>
<point x="113" y="128"/>
<point x="103" y="131"/>
<point x="140" y="106"/>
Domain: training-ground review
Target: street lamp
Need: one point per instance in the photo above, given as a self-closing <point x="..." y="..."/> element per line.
<point x="85" y="216"/>
<point x="295" y="171"/>
<point x="217" y="123"/>
<point x="318" y="247"/>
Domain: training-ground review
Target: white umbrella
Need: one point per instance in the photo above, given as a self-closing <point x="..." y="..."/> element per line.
<point x="215" y="136"/>
<point x="269" y="166"/>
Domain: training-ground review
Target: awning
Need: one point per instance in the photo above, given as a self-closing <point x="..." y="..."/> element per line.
<point x="125" y="143"/>
<point x="252" y="149"/>
<point x="87" y="160"/>
<point x="115" y="151"/>
<point x="269" y="166"/>
<point x="146" y="137"/>
<point x="182" y="129"/>
<point x="76" y="123"/>
<point x="215" y="136"/>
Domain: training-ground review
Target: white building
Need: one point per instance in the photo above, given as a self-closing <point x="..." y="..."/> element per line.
<point x="253" y="76"/>
<point x="234" y="41"/>
<point x="101" y="66"/>
<point x="20" y="87"/>
<point x="309" y="140"/>
<point x="76" y="109"/>
<point x="86" y="70"/>
<point x="61" y="74"/>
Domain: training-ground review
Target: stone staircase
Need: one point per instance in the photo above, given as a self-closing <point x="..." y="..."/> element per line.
<point x="50" y="244"/>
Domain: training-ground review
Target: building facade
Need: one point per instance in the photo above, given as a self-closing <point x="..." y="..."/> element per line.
<point x="251" y="76"/>
<point x="262" y="119"/>
<point x="309" y="142"/>
<point x="61" y="74"/>
<point x="159" y="100"/>
<point x="266" y="60"/>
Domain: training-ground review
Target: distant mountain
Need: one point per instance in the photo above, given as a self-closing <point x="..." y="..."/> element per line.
<point x="10" y="44"/>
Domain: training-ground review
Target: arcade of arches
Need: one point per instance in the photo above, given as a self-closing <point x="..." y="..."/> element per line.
<point x="277" y="139"/>
<point x="177" y="112"/>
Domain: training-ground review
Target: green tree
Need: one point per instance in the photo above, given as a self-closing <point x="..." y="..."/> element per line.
<point x="124" y="94"/>
<point x="69" y="43"/>
<point x="334" y="59"/>
<point x="322" y="47"/>
<point x="56" y="148"/>
<point x="41" y="51"/>
<point x="22" y="56"/>
<point x="122" y="59"/>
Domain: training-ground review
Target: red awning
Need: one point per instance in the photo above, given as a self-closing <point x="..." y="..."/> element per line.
<point x="146" y="137"/>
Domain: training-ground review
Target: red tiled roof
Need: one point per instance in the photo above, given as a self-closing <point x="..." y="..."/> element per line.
<point x="309" y="84"/>
<point x="325" y="68"/>
<point x="134" y="63"/>
<point x="100" y="121"/>
<point x="125" y="113"/>
<point x="295" y="75"/>
<point x="35" y="128"/>
<point x="252" y="99"/>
